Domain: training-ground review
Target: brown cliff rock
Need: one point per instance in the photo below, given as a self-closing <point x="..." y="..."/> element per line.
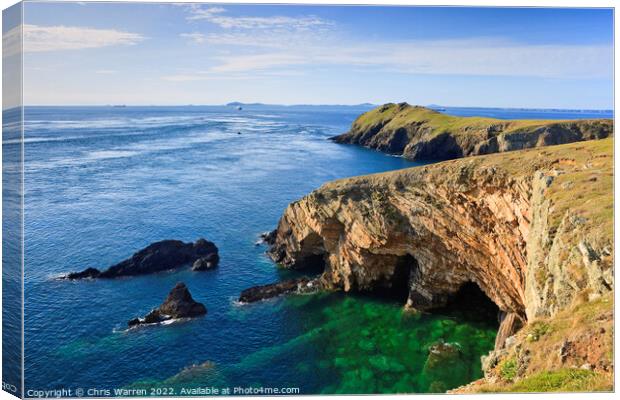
<point x="532" y="229"/>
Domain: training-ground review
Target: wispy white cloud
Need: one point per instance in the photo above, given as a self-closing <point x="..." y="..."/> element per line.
<point x="216" y="16"/>
<point x="199" y="12"/>
<point x="54" y="38"/>
<point x="194" y="37"/>
<point x="258" y="62"/>
<point x="106" y="71"/>
<point x="269" y="39"/>
<point x="213" y="74"/>
<point x="259" y="44"/>
<point x="205" y="76"/>
<point x="11" y="41"/>
<point x="482" y="57"/>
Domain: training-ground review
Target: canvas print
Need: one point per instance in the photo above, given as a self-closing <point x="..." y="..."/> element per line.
<point x="206" y="199"/>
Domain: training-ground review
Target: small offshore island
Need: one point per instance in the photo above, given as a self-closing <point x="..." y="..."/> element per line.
<point x="531" y="229"/>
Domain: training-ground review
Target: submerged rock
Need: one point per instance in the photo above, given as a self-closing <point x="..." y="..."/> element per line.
<point x="445" y="366"/>
<point x="441" y="354"/>
<point x="178" y="304"/>
<point x="159" y="256"/>
<point x="263" y="292"/>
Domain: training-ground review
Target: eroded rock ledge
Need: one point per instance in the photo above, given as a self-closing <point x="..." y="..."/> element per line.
<point x="533" y="229"/>
<point x="419" y="133"/>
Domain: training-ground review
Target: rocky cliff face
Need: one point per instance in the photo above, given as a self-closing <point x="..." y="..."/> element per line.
<point x="419" y="133"/>
<point x="533" y="229"/>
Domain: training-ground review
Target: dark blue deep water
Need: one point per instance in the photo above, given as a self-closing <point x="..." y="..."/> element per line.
<point x="103" y="182"/>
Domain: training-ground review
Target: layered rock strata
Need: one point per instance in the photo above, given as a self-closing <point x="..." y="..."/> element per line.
<point x="419" y="133"/>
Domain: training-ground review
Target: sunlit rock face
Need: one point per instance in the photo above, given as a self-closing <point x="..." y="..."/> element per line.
<point x="530" y="228"/>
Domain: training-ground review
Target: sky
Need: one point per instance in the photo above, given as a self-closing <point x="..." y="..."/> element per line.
<point x="161" y="54"/>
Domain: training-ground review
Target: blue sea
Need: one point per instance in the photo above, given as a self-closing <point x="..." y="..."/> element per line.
<point x="104" y="182"/>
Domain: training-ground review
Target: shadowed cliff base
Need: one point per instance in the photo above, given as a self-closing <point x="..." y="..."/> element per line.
<point x="420" y="133"/>
<point x="532" y="229"/>
<point x="473" y="303"/>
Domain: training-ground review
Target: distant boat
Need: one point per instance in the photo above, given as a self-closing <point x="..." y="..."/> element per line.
<point x="239" y="108"/>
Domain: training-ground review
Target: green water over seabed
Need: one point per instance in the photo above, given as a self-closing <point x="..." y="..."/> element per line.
<point x="371" y="346"/>
<point x="355" y="345"/>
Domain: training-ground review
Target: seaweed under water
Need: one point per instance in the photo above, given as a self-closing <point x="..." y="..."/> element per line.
<point x="353" y="344"/>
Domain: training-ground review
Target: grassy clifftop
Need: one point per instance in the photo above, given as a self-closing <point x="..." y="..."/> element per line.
<point x="421" y="133"/>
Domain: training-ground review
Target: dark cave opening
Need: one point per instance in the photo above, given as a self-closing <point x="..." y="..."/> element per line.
<point x="312" y="261"/>
<point x="313" y="264"/>
<point x="397" y="287"/>
<point x="471" y="303"/>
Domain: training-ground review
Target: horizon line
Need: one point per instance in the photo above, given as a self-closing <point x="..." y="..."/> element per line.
<point x="239" y="103"/>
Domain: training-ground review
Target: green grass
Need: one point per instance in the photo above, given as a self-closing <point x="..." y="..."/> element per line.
<point x="508" y="369"/>
<point x="537" y="330"/>
<point x="393" y="116"/>
<point x="563" y="380"/>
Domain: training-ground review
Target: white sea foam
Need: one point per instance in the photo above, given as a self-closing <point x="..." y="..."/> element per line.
<point x="105" y="154"/>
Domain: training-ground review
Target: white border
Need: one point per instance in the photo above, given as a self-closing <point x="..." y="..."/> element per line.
<point x="480" y="3"/>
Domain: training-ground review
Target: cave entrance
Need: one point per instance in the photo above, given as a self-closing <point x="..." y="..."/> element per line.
<point x="471" y="303"/>
<point x="313" y="264"/>
<point x="397" y="287"/>
<point x="313" y="259"/>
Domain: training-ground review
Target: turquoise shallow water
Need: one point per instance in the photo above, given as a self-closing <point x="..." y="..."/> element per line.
<point x="104" y="182"/>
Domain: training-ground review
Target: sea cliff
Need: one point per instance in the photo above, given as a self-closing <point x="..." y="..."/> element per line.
<point x="532" y="229"/>
<point x="420" y="133"/>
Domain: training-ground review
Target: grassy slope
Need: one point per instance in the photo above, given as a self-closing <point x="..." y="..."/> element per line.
<point x="542" y="338"/>
<point x="399" y="116"/>
<point x="439" y="122"/>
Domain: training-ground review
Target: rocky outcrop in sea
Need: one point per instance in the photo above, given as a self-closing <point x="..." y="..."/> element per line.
<point x="157" y="257"/>
<point x="290" y="286"/>
<point x="179" y="304"/>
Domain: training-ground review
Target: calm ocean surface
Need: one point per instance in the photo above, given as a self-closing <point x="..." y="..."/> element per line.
<point x="103" y="182"/>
